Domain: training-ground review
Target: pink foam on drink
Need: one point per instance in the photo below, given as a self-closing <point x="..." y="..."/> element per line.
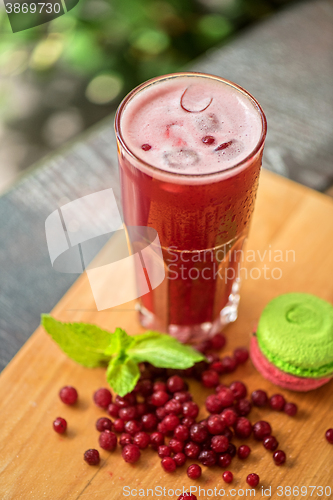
<point x="175" y="114"/>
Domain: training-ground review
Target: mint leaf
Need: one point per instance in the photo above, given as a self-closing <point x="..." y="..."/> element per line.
<point x="82" y="342"/>
<point x="150" y="334"/>
<point x="91" y="346"/>
<point x="163" y="351"/>
<point x="122" y="375"/>
<point x="119" y="342"/>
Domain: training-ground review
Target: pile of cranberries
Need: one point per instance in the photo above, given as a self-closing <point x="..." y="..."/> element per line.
<point x="161" y="413"/>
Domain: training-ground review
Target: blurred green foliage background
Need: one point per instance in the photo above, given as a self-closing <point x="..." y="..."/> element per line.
<point x="84" y="62"/>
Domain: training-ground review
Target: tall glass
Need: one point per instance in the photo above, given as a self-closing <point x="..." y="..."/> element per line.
<point x="202" y="220"/>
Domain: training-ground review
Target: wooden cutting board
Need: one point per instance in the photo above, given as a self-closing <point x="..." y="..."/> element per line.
<point x="37" y="463"/>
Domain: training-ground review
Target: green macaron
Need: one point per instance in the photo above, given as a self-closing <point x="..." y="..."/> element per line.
<point x="295" y="333"/>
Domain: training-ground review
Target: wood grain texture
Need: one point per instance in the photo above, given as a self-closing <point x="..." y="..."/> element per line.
<point x="285" y="62"/>
<point x="36" y="463"/>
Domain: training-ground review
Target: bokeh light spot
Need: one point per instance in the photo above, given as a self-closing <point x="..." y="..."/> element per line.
<point x="104" y="88"/>
<point x="151" y="41"/>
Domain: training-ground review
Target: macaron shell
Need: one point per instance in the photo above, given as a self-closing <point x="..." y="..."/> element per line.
<point x="295" y="333"/>
<point x="277" y="376"/>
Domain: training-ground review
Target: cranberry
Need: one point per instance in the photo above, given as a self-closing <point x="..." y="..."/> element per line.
<point x="199" y="368"/>
<point x="224" y="460"/>
<point x="229" y="364"/>
<point x="243" y="427"/>
<point x="252" y="480"/>
<point x="243" y="451"/>
<point x="261" y="429"/>
<point x="207" y="458"/>
<point x="60" y="425"/>
<point x="187" y="496"/>
<point x="277" y="402"/>
<point x="290" y="409"/>
<point x="141" y="439"/>
<point x="198" y="433"/>
<point x="133" y="426"/>
<point x="173" y="406"/>
<point x="228" y="433"/>
<point x="159" y="386"/>
<point x="104" y="424"/>
<point x="239" y="389"/>
<point x="220" y="387"/>
<point x="159" y="398"/>
<point x="180" y="459"/>
<point x="118" y="425"/>
<point x="259" y="398"/>
<point x="131" y="453"/>
<point x="189" y="372"/>
<point x="141" y="409"/>
<point x="218" y="341"/>
<point x="217" y="366"/>
<point x="128" y="400"/>
<point x="219" y="444"/>
<point x="213" y="404"/>
<point x="329" y="435"/>
<point x="210" y="378"/>
<point x="176" y="445"/>
<point x="149" y="421"/>
<point x="171" y="422"/>
<point x="207" y="444"/>
<point x="168" y="464"/>
<point x="68" y="395"/>
<point x="229" y="416"/>
<point x="162" y="428"/>
<point x="226" y="396"/>
<point x="241" y="355"/>
<point x="175" y="384"/>
<point x="161" y="412"/>
<point x="243" y="407"/>
<point x="107" y="440"/>
<point x="156" y="439"/>
<point x="113" y="410"/>
<point x="128" y="413"/>
<point x="125" y="439"/>
<point x="216" y="424"/>
<point x="188" y="421"/>
<point x="146" y="147"/>
<point x="190" y="409"/>
<point x="227" y="476"/>
<point x="194" y="471"/>
<point x="144" y="387"/>
<point x="279" y="457"/>
<point x="224" y="145"/>
<point x="182" y="396"/>
<point x="208" y="139"/>
<point x="181" y="433"/>
<point x="164" y="451"/>
<point x="204" y="347"/>
<point x="91" y="457"/>
<point x="270" y="443"/>
<point x="212" y="357"/>
<point x="192" y="449"/>
<point x="232" y="450"/>
<point x="102" y="397"/>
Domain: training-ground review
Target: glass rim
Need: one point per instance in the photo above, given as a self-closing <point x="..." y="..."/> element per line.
<point x="152" y="81"/>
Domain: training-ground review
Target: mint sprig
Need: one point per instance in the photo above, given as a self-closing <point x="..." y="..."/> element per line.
<point x="82" y="342"/>
<point x="92" y="346"/>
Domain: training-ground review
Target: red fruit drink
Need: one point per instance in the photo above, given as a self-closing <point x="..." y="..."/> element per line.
<point x="190" y="148"/>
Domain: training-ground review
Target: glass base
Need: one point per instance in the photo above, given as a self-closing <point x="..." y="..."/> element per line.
<point x="194" y="334"/>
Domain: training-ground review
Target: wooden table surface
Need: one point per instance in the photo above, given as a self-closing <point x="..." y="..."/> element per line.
<point x="37" y="463"/>
<point x="284" y="61"/>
